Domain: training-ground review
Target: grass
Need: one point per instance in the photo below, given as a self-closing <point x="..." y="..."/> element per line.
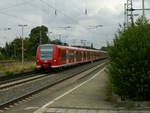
<point x="16" y="67"/>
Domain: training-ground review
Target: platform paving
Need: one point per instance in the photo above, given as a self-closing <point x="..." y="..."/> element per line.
<point x="60" y="110"/>
<point x="88" y="97"/>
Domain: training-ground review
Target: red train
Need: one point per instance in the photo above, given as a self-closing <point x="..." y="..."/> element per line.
<point x="55" y="56"/>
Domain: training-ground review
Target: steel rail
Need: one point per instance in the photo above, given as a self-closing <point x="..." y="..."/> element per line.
<point x="13" y="100"/>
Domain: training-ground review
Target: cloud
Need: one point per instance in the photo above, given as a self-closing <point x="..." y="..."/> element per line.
<point x="108" y="13"/>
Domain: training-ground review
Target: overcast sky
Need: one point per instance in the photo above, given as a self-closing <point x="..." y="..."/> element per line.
<point x="109" y="13"/>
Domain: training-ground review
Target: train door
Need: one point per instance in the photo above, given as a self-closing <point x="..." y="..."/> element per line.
<point x="67" y="56"/>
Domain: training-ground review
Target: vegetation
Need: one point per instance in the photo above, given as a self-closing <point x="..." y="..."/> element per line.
<point x="13" y="50"/>
<point x="16" y="67"/>
<point x="104" y="48"/>
<point x="34" y="39"/>
<point x="129" y="70"/>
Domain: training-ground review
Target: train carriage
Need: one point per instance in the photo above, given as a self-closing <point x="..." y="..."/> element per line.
<point x="55" y="56"/>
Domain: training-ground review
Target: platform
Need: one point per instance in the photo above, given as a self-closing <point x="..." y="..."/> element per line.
<point x="87" y="97"/>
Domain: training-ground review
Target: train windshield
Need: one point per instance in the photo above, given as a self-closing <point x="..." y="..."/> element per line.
<point x="46" y="52"/>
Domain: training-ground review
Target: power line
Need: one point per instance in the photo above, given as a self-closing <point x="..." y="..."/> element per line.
<point x="15" y="5"/>
<point x="19" y="4"/>
<point x="130" y="10"/>
<point x="14" y="16"/>
<point x="77" y="8"/>
<point x="70" y="18"/>
<point x="43" y="10"/>
<point x="58" y="10"/>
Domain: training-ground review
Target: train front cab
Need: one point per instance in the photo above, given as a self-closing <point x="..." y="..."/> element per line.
<point x="45" y="57"/>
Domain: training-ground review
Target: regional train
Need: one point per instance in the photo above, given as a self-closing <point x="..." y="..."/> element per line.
<point x="56" y="56"/>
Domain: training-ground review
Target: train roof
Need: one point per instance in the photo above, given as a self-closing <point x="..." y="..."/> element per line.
<point x="69" y="47"/>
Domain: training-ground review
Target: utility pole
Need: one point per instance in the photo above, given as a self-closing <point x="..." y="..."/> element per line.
<point x="143" y="8"/>
<point x="40" y="36"/>
<point x="22" y="48"/>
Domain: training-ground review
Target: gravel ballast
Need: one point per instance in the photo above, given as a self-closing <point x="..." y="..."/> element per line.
<point x="13" y="93"/>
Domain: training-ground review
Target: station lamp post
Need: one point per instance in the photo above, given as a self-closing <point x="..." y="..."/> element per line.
<point x="22" y="48"/>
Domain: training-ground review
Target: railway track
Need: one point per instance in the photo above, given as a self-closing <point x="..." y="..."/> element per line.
<point x="7" y="82"/>
<point x="61" y="76"/>
<point x="15" y="82"/>
<point x="11" y="78"/>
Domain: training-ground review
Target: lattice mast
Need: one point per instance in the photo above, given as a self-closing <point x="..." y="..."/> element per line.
<point x="130" y="17"/>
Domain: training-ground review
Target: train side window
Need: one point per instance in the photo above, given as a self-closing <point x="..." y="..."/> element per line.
<point x="70" y="55"/>
<point x="63" y="55"/>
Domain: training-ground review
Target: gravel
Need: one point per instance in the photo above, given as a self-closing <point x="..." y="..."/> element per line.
<point x="13" y="93"/>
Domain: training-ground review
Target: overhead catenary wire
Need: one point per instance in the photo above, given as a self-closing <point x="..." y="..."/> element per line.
<point x="15" y="5"/>
<point x="17" y="17"/>
<point x="60" y="11"/>
<point x="14" y="16"/>
<point x="71" y="18"/>
<point x="19" y="4"/>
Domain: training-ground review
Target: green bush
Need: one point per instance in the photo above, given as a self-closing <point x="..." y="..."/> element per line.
<point x="129" y="70"/>
<point x="1" y="57"/>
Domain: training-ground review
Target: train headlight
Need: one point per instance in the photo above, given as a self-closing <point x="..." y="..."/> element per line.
<point x="54" y="60"/>
<point x="45" y="61"/>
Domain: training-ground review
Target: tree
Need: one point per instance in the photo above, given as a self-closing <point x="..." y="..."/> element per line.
<point x="129" y="69"/>
<point x="13" y="50"/>
<point x="104" y="48"/>
<point x="1" y="56"/>
<point x="17" y="48"/>
<point x="58" y="42"/>
<point x="34" y="40"/>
